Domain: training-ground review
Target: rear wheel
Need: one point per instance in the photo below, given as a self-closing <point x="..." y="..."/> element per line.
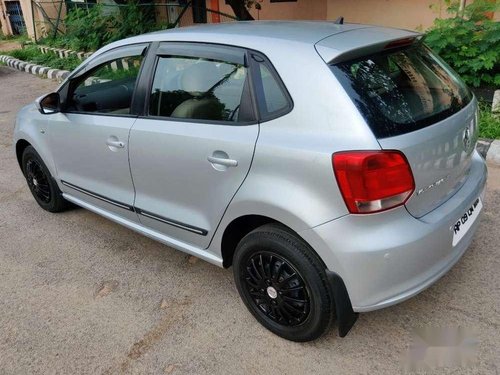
<point x="283" y="283"/>
<point x="42" y="185"/>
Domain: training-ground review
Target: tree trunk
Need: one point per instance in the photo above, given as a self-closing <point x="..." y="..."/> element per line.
<point x="240" y="10"/>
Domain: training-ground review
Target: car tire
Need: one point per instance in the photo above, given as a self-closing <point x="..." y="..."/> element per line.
<point x="283" y="283"/>
<point x="41" y="183"/>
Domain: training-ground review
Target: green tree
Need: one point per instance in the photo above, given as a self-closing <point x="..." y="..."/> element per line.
<point x="469" y="42"/>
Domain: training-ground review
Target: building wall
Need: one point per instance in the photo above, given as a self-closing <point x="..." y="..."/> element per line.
<point x="406" y="14"/>
<point x="299" y="10"/>
<point x="4" y="20"/>
<point x="50" y="8"/>
<point x="28" y="16"/>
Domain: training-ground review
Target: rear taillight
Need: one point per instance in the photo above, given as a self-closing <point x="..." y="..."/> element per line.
<point x="373" y="181"/>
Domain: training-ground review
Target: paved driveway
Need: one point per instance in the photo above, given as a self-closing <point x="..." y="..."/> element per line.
<point x="80" y="294"/>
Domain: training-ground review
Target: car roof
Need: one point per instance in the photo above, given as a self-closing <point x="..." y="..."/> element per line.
<point x="298" y="31"/>
<point x="331" y="39"/>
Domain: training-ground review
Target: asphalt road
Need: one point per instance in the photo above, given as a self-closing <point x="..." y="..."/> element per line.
<point x="80" y="294"/>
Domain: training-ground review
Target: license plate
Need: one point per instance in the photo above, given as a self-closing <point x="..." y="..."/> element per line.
<point x="463" y="224"/>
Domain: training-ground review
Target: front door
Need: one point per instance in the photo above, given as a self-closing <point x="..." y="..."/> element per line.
<point x="15" y="17"/>
<point x="193" y="149"/>
<point x="89" y="138"/>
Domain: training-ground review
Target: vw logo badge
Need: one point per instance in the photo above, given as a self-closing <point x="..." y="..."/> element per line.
<point x="467" y="138"/>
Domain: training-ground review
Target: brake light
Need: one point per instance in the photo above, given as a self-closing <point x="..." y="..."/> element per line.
<point x="373" y="181"/>
<point x="400" y="43"/>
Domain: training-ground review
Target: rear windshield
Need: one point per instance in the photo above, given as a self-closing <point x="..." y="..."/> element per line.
<point x="404" y="90"/>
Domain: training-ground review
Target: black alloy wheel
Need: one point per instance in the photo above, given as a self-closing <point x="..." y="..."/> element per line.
<point x="283" y="283"/>
<point x="38" y="181"/>
<point x="277" y="288"/>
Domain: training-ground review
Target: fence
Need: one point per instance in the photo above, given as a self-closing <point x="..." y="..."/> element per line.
<point x="49" y="15"/>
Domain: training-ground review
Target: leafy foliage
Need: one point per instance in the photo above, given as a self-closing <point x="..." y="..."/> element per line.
<point x="33" y="55"/>
<point x="133" y="19"/>
<point x="22" y="38"/>
<point x="469" y="43"/>
<point x="88" y="29"/>
<point x="489" y="125"/>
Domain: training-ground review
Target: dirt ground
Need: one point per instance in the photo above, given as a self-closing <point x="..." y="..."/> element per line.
<point x="6" y="45"/>
<point x="82" y="295"/>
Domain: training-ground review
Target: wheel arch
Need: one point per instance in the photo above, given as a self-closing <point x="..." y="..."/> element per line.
<point x="21" y="145"/>
<point x="28" y="135"/>
<point x="241" y="226"/>
<point x="236" y="230"/>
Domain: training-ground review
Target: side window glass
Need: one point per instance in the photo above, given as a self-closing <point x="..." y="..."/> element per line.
<point x="108" y="88"/>
<point x="272" y="99"/>
<point x="197" y="88"/>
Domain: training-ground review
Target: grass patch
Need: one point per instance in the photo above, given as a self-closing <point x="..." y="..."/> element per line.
<point x="489" y="125"/>
<point x="15" y="38"/>
<point x="33" y="55"/>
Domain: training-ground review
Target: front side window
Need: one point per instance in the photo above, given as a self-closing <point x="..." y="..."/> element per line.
<point x="108" y="88"/>
<point x="404" y="90"/>
<point x="198" y="88"/>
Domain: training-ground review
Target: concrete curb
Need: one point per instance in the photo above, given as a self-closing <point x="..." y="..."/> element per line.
<point x="43" y="71"/>
<point x="61" y="52"/>
<point x="493" y="155"/>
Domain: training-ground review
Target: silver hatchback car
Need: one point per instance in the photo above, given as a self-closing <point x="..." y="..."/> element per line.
<point x="333" y="166"/>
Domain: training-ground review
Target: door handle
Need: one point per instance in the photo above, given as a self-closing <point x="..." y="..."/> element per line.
<point x="223" y="161"/>
<point x="113" y="143"/>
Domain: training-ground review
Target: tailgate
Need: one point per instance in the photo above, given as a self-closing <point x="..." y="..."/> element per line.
<point x="414" y="103"/>
<point x="440" y="157"/>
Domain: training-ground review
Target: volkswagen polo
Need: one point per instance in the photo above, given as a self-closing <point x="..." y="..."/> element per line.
<point x="333" y="166"/>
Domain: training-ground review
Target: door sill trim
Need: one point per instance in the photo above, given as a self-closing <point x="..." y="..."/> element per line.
<point x="169" y="241"/>
<point x="98" y="196"/>
<point x="174" y="223"/>
<point x="171" y="222"/>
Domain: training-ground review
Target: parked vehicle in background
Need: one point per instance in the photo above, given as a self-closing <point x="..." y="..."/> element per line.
<point x="333" y="166"/>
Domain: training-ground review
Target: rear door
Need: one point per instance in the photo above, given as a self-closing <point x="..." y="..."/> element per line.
<point x="192" y="150"/>
<point x="415" y="103"/>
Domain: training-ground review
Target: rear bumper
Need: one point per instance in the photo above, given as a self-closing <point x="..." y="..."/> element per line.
<point x="388" y="257"/>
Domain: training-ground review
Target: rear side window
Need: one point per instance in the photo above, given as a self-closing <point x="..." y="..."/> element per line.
<point x="401" y="91"/>
<point x="272" y="98"/>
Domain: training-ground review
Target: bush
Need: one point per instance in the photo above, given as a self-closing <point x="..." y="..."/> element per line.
<point x="32" y="55"/>
<point x="86" y="29"/>
<point x="489" y="125"/>
<point x="90" y="29"/>
<point x="469" y="43"/>
<point x="133" y="19"/>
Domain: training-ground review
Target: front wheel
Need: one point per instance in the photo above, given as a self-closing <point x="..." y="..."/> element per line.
<point x="40" y="182"/>
<point x="283" y="283"/>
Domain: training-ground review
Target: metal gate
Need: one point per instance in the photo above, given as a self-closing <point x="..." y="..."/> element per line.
<point x="16" y="18"/>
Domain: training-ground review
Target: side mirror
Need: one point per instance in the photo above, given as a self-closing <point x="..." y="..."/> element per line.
<point x="48" y="104"/>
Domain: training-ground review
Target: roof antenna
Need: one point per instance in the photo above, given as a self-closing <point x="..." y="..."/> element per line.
<point x="339" y="21"/>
